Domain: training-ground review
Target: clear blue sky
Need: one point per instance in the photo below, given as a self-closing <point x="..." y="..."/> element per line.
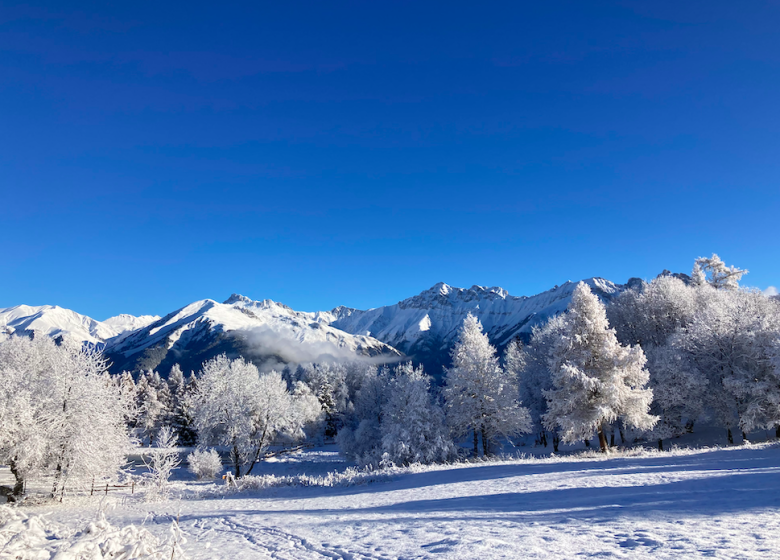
<point x="329" y="153"/>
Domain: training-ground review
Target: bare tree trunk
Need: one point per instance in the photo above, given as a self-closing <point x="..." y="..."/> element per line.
<point x="622" y="435"/>
<point x="744" y="437"/>
<point x="485" y="444"/>
<point x="587" y="443"/>
<point x="556" y="440"/>
<point x="777" y="431"/>
<point x="19" y="479"/>
<point x="476" y="444"/>
<point x="730" y="437"/>
<point x="236" y="460"/>
<point x="660" y="444"/>
<point x="602" y="440"/>
<point x="544" y="437"/>
<point x="612" y="438"/>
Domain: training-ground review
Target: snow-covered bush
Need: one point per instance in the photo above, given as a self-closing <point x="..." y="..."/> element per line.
<point x="161" y="460"/>
<point x="206" y="465"/>
<point x="36" y="537"/>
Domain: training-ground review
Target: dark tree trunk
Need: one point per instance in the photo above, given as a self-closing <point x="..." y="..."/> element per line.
<point x="602" y="440"/>
<point x="544" y="437"/>
<point x="556" y="441"/>
<point x="744" y="437"/>
<point x="587" y="443"/>
<point x="622" y="436"/>
<point x="730" y="437"/>
<point x="476" y="444"/>
<point x="485" y="444"/>
<point x="660" y="444"/>
<point x="612" y="438"/>
<point x="19" y="479"/>
<point x="236" y="460"/>
<point x="777" y="431"/>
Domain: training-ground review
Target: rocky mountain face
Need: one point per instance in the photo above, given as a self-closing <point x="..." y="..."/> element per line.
<point x="268" y="333"/>
<point x="425" y="326"/>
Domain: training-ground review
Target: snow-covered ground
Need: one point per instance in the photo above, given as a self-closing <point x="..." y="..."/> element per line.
<point x="722" y="503"/>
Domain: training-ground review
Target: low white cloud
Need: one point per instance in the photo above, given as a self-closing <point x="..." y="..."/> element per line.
<point x="277" y="347"/>
<point x="771" y="291"/>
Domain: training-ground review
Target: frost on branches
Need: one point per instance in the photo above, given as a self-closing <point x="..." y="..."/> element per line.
<point x="413" y="429"/>
<point x="596" y="380"/>
<point x="481" y="397"/>
<point x="237" y="407"/>
<point x="61" y="413"/>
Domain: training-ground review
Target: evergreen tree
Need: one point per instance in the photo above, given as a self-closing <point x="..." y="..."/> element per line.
<point x="596" y="381"/>
<point x="481" y="398"/>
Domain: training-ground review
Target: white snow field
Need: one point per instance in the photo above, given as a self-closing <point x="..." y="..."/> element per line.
<point x="715" y="503"/>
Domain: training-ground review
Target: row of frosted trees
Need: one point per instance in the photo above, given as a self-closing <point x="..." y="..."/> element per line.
<point x="660" y="358"/>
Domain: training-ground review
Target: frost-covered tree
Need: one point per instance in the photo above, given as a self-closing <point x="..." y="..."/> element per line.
<point x="721" y="277"/>
<point x="731" y="343"/>
<point x="86" y="417"/>
<point x="596" y="380"/>
<point x="413" y="429"/>
<point x="537" y="377"/>
<point x="649" y="316"/>
<point x="237" y="407"/>
<point x="480" y="397"/>
<point x="361" y="436"/>
<point x="180" y="414"/>
<point x="25" y="371"/>
<point x="152" y="405"/>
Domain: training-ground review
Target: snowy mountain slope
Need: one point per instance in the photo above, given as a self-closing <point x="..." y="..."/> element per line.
<point x="266" y="332"/>
<point x="55" y="321"/>
<point x="425" y="326"/>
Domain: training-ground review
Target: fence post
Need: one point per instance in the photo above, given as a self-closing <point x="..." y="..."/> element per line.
<point x="92" y="490"/>
<point x="132" y="487"/>
<point x="106" y="488"/>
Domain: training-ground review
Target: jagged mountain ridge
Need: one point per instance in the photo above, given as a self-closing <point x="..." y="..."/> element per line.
<point x="268" y="333"/>
<point x="425" y="326"/>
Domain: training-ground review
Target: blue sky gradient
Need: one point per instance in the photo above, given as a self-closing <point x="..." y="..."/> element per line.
<point x="322" y="154"/>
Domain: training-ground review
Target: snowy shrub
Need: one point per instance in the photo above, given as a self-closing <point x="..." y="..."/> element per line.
<point x="36" y="537"/>
<point x="161" y="460"/>
<point x="206" y="465"/>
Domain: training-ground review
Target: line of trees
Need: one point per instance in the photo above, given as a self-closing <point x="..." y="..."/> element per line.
<point x="660" y="358"/>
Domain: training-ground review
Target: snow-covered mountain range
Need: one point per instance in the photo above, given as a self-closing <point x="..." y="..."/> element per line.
<point x="423" y="327"/>
<point x="55" y="321"/>
<point x="266" y="332"/>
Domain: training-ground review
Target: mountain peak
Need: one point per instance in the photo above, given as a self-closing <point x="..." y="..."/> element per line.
<point x="236" y="298"/>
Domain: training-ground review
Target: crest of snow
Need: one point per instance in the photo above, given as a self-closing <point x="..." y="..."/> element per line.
<point x="425" y="323"/>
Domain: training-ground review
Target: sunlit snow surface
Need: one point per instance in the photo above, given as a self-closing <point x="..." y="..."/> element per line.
<point x="687" y="504"/>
